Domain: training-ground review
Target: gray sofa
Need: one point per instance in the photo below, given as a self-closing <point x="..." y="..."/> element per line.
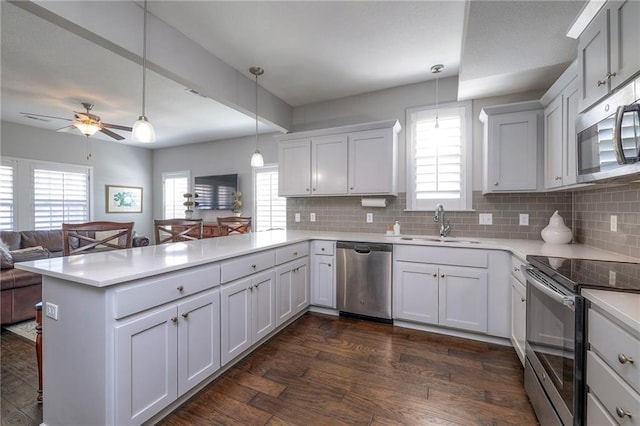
<point x="21" y="290"/>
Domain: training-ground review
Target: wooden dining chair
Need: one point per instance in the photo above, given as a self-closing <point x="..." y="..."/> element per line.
<point x="233" y="225"/>
<point x="82" y="238"/>
<point x="175" y="230"/>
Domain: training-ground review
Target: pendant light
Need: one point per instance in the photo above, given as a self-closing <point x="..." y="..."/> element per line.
<point x="256" y="159"/>
<point x="436" y="69"/>
<point x="142" y="129"/>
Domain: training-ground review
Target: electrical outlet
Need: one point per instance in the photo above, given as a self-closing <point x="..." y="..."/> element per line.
<point x="312" y="217"/>
<point x="614" y="223"/>
<point x="524" y="219"/>
<point x="297" y="217"/>
<point x="369" y="217"/>
<point x="612" y="278"/>
<point x="51" y="311"/>
<point x="485" y="218"/>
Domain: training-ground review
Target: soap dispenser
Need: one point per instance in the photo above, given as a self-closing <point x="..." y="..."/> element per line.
<point x="396" y="228"/>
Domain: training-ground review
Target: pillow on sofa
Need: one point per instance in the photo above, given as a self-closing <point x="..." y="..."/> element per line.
<point x="29" y="253"/>
<point x="103" y="235"/>
<point x="6" y="260"/>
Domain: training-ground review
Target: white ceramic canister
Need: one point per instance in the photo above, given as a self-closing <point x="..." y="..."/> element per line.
<point x="556" y="232"/>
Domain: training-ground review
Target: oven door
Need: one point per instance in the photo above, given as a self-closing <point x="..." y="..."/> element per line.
<point x="554" y="343"/>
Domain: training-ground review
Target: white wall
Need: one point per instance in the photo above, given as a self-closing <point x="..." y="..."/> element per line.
<point x="213" y="158"/>
<point x="113" y="164"/>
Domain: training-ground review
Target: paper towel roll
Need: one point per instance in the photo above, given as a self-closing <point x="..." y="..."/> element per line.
<point x="374" y="202"/>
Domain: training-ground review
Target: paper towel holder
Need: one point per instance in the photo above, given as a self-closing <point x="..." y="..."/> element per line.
<point x="373" y="202"/>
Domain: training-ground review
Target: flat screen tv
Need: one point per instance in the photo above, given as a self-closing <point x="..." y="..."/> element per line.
<point x="215" y="192"/>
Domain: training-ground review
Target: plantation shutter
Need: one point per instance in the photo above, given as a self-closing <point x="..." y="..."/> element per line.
<point x="271" y="210"/>
<point x="175" y="185"/>
<point x="59" y="196"/>
<point x="6" y="197"/>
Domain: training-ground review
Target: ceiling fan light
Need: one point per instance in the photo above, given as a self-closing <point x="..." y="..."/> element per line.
<point x="88" y="128"/>
<point x="256" y="159"/>
<point x="143" y="131"/>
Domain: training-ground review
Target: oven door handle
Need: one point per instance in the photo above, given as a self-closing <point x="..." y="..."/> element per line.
<point x="569" y="301"/>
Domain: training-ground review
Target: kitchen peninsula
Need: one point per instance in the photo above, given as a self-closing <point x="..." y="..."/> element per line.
<point x="138" y="331"/>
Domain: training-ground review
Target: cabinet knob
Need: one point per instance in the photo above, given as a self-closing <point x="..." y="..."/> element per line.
<point x="600" y="82"/>
<point x="251" y="287"/>
<point x="435" y="275"/>
<point x="622" y="413"/>
<point x="496" y="183"/>
<point x="328" y="264"/>
<point x="322" y="249"/>
<point x="558" y="177"/>
<point x="185" y="314"/>
<point x="516" y="269"/>
<point x="314" y="189"/>
<point x="351" y="188"/>
<point x="307" y="189"/>
<point x="257" y="285"/>
<point x="442" y="276"/>
<point x="295" y="253"/>
<point x="623" y="359"/>
<point x="180" y="288"/>
<point x="522" y="299"/>
<point x="174" y="320"/>
<point x="253" y="266"/>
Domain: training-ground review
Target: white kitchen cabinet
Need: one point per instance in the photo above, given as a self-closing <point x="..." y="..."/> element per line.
<point x="247" y="308"/>
<point x="323" y="274"/>
<point x="292" y="289"/>
<point x="161" y="355"/>
<point x="415" y="292"/>
<point x="462" y="295"/>
<point x="518" y="317"/>
<point x="553" y="143"/>
<point x="513" y="147"/>
<point x="608" y="51"/>
<point x="349" y="160"/>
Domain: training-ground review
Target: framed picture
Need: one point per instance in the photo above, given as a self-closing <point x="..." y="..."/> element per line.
<point x="123" y="199"/>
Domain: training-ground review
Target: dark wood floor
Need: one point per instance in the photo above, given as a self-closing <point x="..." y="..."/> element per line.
<point x="330" y="371"/>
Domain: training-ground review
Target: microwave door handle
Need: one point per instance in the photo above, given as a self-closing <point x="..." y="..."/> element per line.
<point x="617" y="136"/>
<point x="554" y="295"/>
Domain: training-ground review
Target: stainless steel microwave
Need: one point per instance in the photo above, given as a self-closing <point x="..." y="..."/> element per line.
<point x="608" y="138"/>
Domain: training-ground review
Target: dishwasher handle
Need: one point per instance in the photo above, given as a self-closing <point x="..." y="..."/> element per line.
<point x="364" y="248"/>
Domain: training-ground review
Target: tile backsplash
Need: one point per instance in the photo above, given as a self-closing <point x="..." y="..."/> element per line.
<point x="587" y="212"/>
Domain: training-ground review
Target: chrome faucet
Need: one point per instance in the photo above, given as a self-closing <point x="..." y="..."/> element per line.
<point x="439" y="216"/>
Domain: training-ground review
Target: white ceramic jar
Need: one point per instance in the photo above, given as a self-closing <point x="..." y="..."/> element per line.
<point x="556" y="232"/>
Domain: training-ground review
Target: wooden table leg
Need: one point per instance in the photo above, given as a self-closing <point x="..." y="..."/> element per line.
<point x="39" y="347"/>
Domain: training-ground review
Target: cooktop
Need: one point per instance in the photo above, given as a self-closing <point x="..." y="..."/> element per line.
<point x="585" y="273"/>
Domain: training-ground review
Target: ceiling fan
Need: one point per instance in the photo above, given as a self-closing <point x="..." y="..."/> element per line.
<point x="87" y="123"/>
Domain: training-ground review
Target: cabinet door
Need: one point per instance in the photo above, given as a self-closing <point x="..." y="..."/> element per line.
<point x="570" y="152"/>
<point x="415" y="292"/>
<point x="518" y="316"/>
<point x="294" y="168"/>
<point x="371" y="162"/>
<point x="263" y="309"/>
<point x="513" y="152"/>
<point x="235" y="318"/>
<point x="553" y="143"/>
<point x="323" y="281"/>
<point x="284" y="293"/>
<point x="463" y="298"/>
<point x="301" y="286"/>
<point x="625" y="40"/>
<point x="198" y="339"/>
<point x="329" y="165"/>
<point x="145" y="366"/>
<point x="593" y="60"/>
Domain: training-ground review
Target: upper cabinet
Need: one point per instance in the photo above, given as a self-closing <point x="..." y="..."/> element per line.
<point x="608" y="51"/>
<point x="512" y="147"/>
<point x="348" y="160"/>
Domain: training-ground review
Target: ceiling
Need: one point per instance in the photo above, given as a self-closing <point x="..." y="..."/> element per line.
<point x="312" y="51"/>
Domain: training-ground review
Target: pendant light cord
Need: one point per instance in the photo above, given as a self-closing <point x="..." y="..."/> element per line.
<point x="256" y="111"/>
<point x="144" y="59"/>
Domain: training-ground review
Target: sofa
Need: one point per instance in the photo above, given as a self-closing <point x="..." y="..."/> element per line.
<point x="21" y="290"/>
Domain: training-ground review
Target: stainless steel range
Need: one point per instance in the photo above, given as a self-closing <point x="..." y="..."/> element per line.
<point x="555" y="346"/>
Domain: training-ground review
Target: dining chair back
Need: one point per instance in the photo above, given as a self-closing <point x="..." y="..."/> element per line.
<point x="175" y="230"/>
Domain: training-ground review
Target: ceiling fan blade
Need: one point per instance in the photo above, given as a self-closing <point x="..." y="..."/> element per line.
<point x="117" y="127"/>
<point x="67" y="129"/>
<point x="112" y="134"/>
<point x="28" y="114"/>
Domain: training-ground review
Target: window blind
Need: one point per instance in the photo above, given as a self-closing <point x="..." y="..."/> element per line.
<point x="59" y="196"/>
<point x="271" y="210"/>
<point x="6" y="198"/>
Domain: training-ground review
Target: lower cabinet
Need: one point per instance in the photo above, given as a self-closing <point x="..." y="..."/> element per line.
<point x="518" y="317"/>
<point x="292" y="289"/>
<point x="162" y="354"/>
<point x="323" y="274"/>
<point x="247" y="308"/>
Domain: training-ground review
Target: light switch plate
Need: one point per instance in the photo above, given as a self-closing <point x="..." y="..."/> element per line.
<point x="312" y="217"/>
<point x="524" y="219"/>
<point x="369" y="217"/>
<point x="614" y="223"/>
<point x="297" y="217"/>
<point x="485" y="218"/>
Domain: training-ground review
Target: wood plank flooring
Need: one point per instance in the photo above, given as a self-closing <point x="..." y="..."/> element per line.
<point x="325" y="370"/>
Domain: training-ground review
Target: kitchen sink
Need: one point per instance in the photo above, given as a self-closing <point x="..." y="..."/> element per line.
<point x="439" y="239"/>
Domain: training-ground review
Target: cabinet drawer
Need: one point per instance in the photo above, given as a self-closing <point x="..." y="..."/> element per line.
<point x="612" y="391"/>
<point x="477" y="258"/>
<point x="517" y="269"/>
<point x="292" y="252"/>
<point x="247" y="265"/>
<point x="323" y="247"/>
<point x="614" y="344"/>
<point x="597" y="414"/>
<point x="157" y="291"/>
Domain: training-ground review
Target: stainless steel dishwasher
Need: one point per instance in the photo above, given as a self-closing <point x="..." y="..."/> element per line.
<point x="363" y="275"/>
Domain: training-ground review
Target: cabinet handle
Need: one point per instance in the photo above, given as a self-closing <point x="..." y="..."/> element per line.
<point x="558" y="177"/>
<point x="314" y="189"/>
<point x="253" y="266"/>
<point x="174" y="320"/>
<point x="522" y="299"/>
<point x="623" y="359"/>
<point x="621" y="412"/>
<point x="185" y="314"/>
<point x="180" y="288"/>
<point x="257" y="285"/>
<point x="307" y="189"/>
<point x="442" y="276"/>
<point x="516" y="269"/>
<point x="351" y="188"/>
<point x="496" y="183"/>
<point x="322" y="249"/>
<point x="610" y="74"/>
<point x="251" y="287"/>
<point x="435" y="275"/>
<point x="295" y="253"/>
<point x="600" y="82"/>
<point x="329" y="265"/>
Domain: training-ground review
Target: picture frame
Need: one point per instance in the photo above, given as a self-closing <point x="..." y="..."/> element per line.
<point x="123" y="199"/>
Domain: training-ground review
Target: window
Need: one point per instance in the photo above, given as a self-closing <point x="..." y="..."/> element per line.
<point x="60" y="194"/>
<point x="175" y="185"/>
<point x="271" y="210"/>
<point x="7" y="189"/>
<point x="439" y="157"/>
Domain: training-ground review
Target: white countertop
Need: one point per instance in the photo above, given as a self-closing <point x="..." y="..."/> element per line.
<point x="113" y="267"/>
<point x="625" y="307"/>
